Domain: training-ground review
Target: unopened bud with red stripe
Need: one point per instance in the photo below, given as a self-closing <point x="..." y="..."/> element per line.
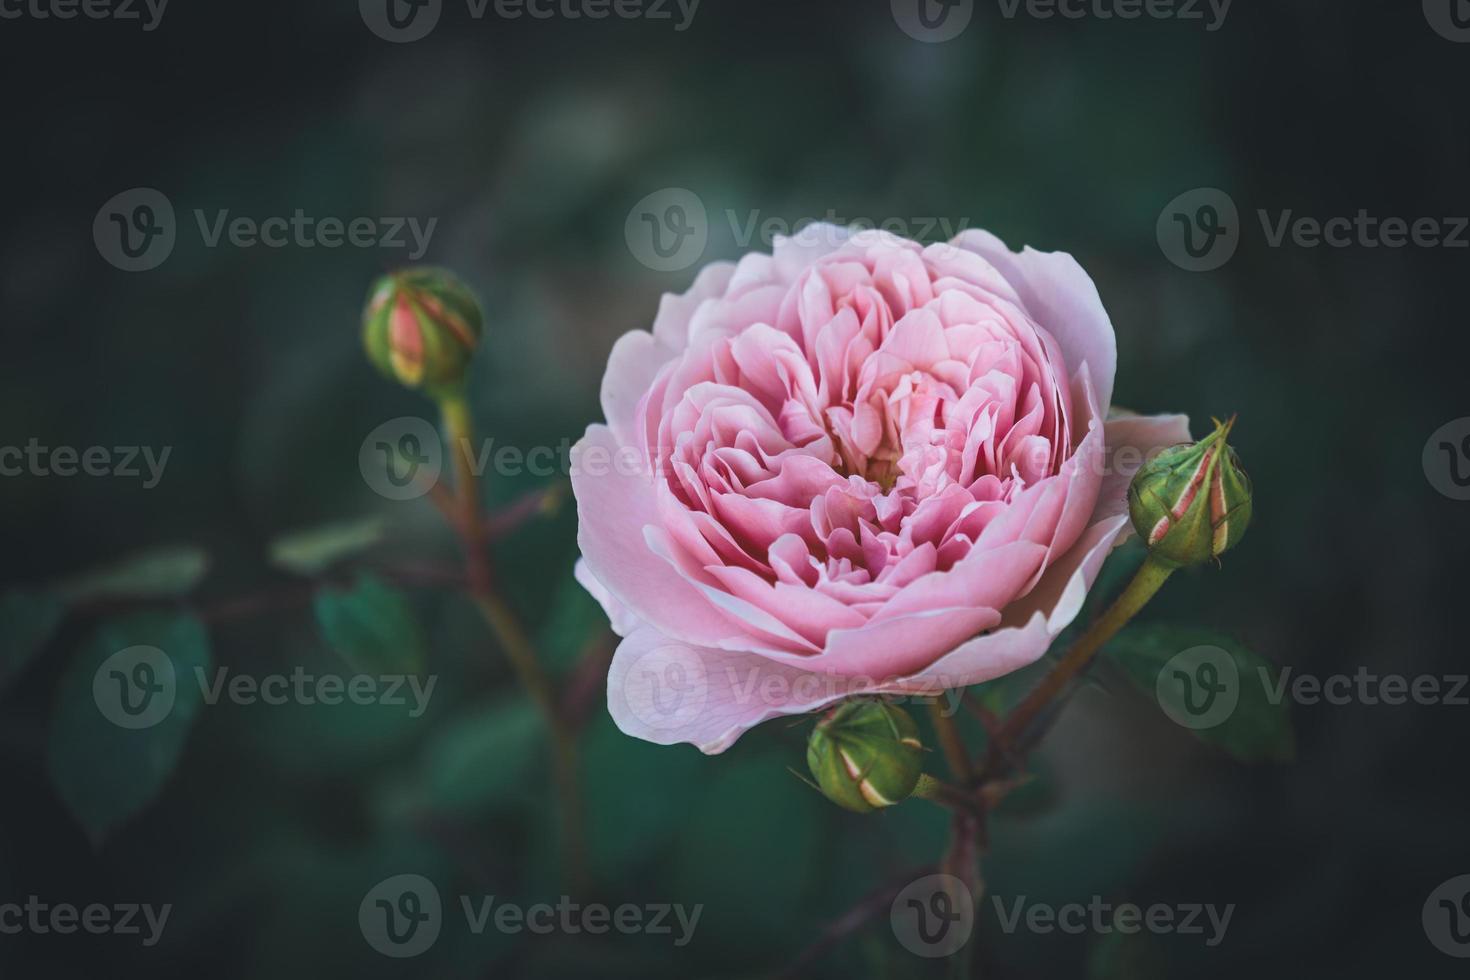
<point x="865" y="755"/>
<point x="1192" y="503"/>
<point x="421" y="327"/>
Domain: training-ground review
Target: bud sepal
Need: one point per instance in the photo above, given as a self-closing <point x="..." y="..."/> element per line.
<point x="1192" y="502"/>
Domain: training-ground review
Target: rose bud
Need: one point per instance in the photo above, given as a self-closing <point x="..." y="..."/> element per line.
<point x="421" y="327"/>
<point x="1192" y="503"/>
<point x="865" y="755"/>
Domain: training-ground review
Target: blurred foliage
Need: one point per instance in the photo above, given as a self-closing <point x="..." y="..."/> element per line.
<point x="266" y="825"/>
<point x="108" y="773"/>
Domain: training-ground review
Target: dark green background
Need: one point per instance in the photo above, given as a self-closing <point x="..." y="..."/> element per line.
<point x="530" y="141"/>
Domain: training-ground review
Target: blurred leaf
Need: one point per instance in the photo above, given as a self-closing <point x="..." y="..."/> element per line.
<point x="118" y="731"/>
<point x="486" y="758"/>
<point x="1126" y="956"/>
<point x="746" y="850"/>
<point x="574" y="618"/>
<point x="372" y="626"/>
<point x="27" y="621"/>
<point x="639" y="794"/>
<point x="1254" y="729"/>
<point x="156" y="573"/>
<point x="317" y="549"/>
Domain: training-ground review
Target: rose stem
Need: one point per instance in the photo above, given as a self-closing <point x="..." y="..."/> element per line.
<point x="950" y="740"/>
<point x="508" y="630"/>
<point x="1139" y="591"/>
<point x="967" y="835"/>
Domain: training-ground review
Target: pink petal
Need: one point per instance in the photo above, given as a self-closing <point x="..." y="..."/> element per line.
<point x="667" y="692"/>
<point x="613" y="508"/>
<point x="1061" y="297"/>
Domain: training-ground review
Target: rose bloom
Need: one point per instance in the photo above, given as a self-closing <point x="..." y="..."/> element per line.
<point x="859" y="465"/>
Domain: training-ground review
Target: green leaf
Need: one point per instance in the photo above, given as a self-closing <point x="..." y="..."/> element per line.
<point x="372" y="626"/>
<point x="123" y="712"/>
<point x="485" y="758"/>
<point x="27" y="620"/>
<point x="1209" y="683"/>
<point x="317" y="549"/>
<point x="156" y="573"/>
<point x="748" y="848"/>
<point x="639" y="793"/>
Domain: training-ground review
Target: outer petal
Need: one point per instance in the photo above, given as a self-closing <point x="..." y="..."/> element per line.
<point x="638" y="355"/>
<point x="665" y="691"/>
<point x="675" y="311"/>
<point x="613" y="507"/>
<point x="1062" y="298"/>
<point x="1030" y="625"/>
<point x="631" y="368"/>
<point x="622" y="619"/>
<point x="795" y="253"/>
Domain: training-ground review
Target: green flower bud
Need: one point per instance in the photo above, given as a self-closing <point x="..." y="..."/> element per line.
<point x="1192" y="503"/>
<point x="865" y="755"/>
<point x="421" y="327"/>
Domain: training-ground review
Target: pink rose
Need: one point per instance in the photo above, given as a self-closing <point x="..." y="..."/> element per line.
<point x="857" y="465"/>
